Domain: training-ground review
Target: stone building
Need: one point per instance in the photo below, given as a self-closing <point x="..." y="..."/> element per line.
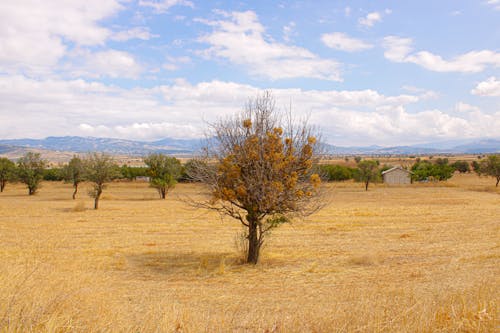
<point x="396" y="176"/>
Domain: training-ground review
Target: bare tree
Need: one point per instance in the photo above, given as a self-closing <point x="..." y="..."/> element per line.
<point x="259" y="170"/>
<point x="30" y="171"/>
<point x="73" y="173"/>
<point x="99" y="169"/>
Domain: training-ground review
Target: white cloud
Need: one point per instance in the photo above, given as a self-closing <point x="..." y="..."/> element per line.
<point x="143" y="131"/>
<point x="241" y="39"/>
<point x="80" y="107"/>
<point x="423" y="94"/>
<point x="174" y="63"/>
<point x="341" y="41"/>
<point x="464" y="107"/>
<point x="33" y="34"/>
<point x="142" y="33"/>
<point x="347" y="11"/>
<point x="109" y="63"/>
<point x="399" y="49"/>
<point x="288" y="31"/>
<point x="370" y="19"/>
<point x="490" y="87"/>
<point x="494" y="3"/>
<point x="163" y="6"/>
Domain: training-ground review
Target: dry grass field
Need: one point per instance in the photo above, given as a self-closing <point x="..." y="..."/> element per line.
<point x="419" y="258"/>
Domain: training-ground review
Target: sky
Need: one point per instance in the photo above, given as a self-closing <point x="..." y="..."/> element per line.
<point x="363" y="72"/>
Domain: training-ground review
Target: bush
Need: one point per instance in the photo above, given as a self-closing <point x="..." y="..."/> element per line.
<point x="426" y="170"/>
<point x="53" y="174"/>
<point x="333" y="172"/>
<point x="461" y="166"/>
<point x="131" y="173"/>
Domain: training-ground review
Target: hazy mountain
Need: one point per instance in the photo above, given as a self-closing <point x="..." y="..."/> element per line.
<point x="108" y="145"/>
<point x="190" y="146"/>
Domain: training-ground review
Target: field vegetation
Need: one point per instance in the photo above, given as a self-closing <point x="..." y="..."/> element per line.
<point x="416" y="258"/>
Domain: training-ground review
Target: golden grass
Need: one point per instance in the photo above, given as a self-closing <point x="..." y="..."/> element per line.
<point x="420" y="258"/>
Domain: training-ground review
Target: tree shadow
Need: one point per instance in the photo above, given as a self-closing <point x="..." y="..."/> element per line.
<point x="183" y="264"/>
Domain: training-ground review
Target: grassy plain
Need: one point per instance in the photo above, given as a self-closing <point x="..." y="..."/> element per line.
<point x="419" y="258"/>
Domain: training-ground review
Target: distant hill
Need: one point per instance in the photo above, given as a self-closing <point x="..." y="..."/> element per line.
<point x="108" y="145"/>
<point x="186" y="147"/>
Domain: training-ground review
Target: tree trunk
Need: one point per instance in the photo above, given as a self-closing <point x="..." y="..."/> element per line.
<point x="2" y="185"/>
<point x="498" y="181"/>
<point x="253" y="242"/>
<point x="366" y="185"/>
<point x="76" y="190"/>
<point x="31" y="191"/>
<point x="163" y="193"/>
<point x="98" y="195"/>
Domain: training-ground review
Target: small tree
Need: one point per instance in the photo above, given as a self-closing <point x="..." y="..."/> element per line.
<point x="99" y="169"/>
<point x="368" y="172"/>
<point x="491" y="167"/>
<point x="164" y="172"/>
<point x="31" y="170"/>
<point x="73" y="173"/>
<point x="461" y="166"/>
<point x="7" y="171"/>
<point x="263" y="172"/>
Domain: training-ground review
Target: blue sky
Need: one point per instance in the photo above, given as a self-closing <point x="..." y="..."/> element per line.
<point x="365" y="72"/>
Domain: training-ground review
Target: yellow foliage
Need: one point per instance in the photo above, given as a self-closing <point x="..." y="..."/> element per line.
<point x="315" y="180"/>
<point x="247" y="123"/>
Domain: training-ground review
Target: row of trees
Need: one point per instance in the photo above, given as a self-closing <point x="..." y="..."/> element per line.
<point x="370" y="171"/>
<point x="98" y="169"/>
<point x="259" y="169"/>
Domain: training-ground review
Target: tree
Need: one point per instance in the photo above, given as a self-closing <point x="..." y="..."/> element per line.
<point x="368" y="172"/>
<point x="335" y="172"/>
<point x="491" y="167"/>
<point x="131" y="173"/>
<point x="461" y="166"/>
<point x="99" y="169"/>
<point x="7" y="171"/>
<point x="53" y="174"/>
<point x="425" y="170"/>
<point x="73" y="173"/>
<point x="163" y="172"/>
<point x="476" y="167"/>
<point x="263" y="171"/>
<point x="31" y="170"/>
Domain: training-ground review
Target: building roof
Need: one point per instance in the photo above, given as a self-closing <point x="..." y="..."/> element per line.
<point x="398" y="167"/>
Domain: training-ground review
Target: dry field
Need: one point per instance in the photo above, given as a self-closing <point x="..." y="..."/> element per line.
<point x="420" y="258"/>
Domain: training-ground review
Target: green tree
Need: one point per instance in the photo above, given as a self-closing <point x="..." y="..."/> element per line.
<point x="99" y="169"/>
<point x="491" y="167"/>
<point x="259" y="171"/>
<point x="131" y="172"/>
<point x="31" y="170"/>
<point x="335" y="172"/>
<point x="53" y="174"/>
<point x="74" y="173"/>
<point x="426" y="170"/>
<point x="164" y="172"/>
<point x="461" y="166"/>
<point x="368" y="171"/>
<point x="7" y="172"/>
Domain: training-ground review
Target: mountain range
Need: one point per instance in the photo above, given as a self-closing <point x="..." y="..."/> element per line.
<point x="188" y="147"/>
